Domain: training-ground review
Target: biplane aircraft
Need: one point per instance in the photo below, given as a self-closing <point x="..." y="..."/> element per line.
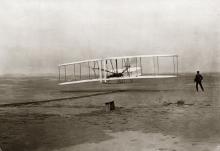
<point x="118" y="68"/>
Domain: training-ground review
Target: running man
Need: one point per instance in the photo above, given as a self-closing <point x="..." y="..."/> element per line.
<point x="198" y="79"/>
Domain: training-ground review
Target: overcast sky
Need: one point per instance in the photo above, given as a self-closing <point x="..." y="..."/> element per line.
<point x="36" y="35"/>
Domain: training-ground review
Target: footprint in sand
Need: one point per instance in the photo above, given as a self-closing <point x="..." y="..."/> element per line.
<point x="133" y="140"/>
<point x="162" y="149"/>
<point x="175" y="142"/>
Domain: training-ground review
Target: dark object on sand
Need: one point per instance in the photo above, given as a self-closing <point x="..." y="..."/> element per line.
<point x="109" y="106"/>
<point x="167" y="103"/>
<point x="180" y="102"/>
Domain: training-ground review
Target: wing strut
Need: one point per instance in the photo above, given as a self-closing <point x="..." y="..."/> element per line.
<point x="158" y="70"/>
<point x="80" y="71"/>
<point x="104" y="71"/>
<point x="112" y="66"/>
<point x="141" y="66"/>
<point x="136" y="66"/>
<point x="116" y="65"/>
<point x="65" y="72"/>
<point x="74" y="71"/>
<point x="89" y="69"/>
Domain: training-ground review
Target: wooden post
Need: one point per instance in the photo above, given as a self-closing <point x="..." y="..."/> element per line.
<point x="109" y="106"/>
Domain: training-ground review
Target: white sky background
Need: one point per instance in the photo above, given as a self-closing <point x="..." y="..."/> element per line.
<point x="36" y="35"/>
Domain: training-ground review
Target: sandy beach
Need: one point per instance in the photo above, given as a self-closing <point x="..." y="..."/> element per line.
<point x="146" y="117"/>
